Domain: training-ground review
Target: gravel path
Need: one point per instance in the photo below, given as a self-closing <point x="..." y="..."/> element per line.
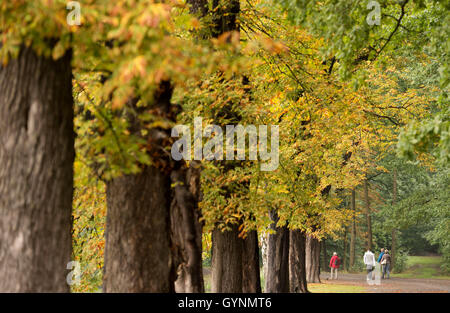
<point x="392" y="285"/>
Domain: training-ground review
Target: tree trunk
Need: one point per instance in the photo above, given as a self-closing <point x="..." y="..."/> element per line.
<point x="277" y="279"/>
<point x="312" y="259"/>
<point x="368" y="216"/>
<point x="138" y="243"/>
<point x="344" y="258"/>
<point x="137" y="252"/>
<point x="36" y="173"/>
<point x="394" y="231"/>
<point x="297" y="266"/>
<point x="186" y="229"/>
<point x="251" y="277"/>
<point x="226" y="265"/>
<point x="235" y="262"/>
<point x="353" y="232"/>
<point x="324" y="256"/>
<point x="185" y="214"/>
<point x="227" y="250"/>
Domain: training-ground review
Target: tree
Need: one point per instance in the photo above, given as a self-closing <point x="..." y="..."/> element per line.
<point x="126" y="143"/>
<point x="251" y="277"/>
<point x="344" y="257"/>
<point x="354" y="40"/>
<point x="36" y="172"/>
<point x="227" y="261"/>
<point x="185" y="213"/>
<point x="414" y="200"/>
<point x="353" y="231"/>
<point x="338" y="91"/>
<point x="230" y="239"/>
<point x="36" y="147"/>
<point x="278" y="257"/>
<point x="368" y="215"/>
<point x="137" y="230"/>
<point x="312" y="260"/>
<point x="297" y="262"/>
<point x="187" y="229"/>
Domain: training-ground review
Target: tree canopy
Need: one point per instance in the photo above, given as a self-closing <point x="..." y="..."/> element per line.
<point x="358" y="91"/>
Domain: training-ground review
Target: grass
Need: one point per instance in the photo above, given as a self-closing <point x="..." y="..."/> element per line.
<point x="423" y="267"/>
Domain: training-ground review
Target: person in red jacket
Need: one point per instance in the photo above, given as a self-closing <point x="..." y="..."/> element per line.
<point x="335" y="262"/>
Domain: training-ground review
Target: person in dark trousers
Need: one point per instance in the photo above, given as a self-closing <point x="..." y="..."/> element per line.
<point x="335" y="262"/>
<point x="379" y="259"/>
<point x="386" y="263"/>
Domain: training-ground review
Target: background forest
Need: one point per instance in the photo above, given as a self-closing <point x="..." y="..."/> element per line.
<point x="360" y="97"/>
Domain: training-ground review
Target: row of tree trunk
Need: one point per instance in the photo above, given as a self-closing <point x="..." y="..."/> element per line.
<point x="153" y="233"/>
<point x="36" y="114"/>
<point x="293" y="259"/>
<point x="367" y="213"/>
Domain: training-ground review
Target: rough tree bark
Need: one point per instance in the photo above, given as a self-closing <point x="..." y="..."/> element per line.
<point x="139" y="254"/>
<point x="277" y="279"/>
<point x="185" y="214"/>
<point x="235" y="262"/>
<point x="36" y="173"/>
<point x="137" y="247"/>
<point x="137" y="233"/>
<point x="186" y="228"/>
<point x="226" y="265"/>
<point x="251" y="277"/>
<point x="353" y="231"/>
<point x="228" y="248"/>
<point x="297" y="266"/>
<point x="312" y="260"/>
<point x="368" y="215"/>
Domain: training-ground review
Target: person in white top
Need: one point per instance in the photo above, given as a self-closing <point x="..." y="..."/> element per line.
<point x="369" y="261"/>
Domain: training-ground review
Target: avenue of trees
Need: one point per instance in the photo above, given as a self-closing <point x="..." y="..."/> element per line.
<point x="86" y="114"/>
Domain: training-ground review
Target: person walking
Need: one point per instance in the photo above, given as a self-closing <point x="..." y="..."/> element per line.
<point x="369" y="261"/>
<point x="335" y="262"/>
<point x="386" y="263"/>
<point x="379" y="259"/>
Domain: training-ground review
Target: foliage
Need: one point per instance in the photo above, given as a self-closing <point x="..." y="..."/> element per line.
<point x="89" y="219"/>
<point x="401" y="259"/>
<point x="413" y="26"/>
<point x="428" y="136"/>
<point x="350" y="100"/>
